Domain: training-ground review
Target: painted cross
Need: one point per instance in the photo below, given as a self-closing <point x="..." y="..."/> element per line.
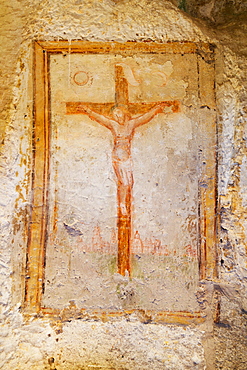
<point x="117" y="117"/>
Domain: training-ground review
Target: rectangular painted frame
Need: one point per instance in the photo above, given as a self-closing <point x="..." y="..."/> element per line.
<point x="36" y="248"/>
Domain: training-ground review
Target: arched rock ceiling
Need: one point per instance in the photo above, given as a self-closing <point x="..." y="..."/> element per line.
<point x="227" y="17"/>
<point x="216" y="11"/>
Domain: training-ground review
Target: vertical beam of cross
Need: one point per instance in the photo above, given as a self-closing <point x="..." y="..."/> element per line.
<point x="121" y="87"/>
<point x="124" y="220"/>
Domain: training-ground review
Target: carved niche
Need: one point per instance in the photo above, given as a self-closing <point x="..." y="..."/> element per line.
<point x="124" y="176"/>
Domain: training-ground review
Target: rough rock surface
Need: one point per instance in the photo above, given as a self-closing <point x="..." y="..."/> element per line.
<point x="124" y="345"/>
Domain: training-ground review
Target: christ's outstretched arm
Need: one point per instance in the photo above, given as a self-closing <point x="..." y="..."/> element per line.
<point x="146" y="117"/>
<point x="103" y="120"/>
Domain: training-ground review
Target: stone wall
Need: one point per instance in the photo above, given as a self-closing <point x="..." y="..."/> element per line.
<point x="41" y="343"/>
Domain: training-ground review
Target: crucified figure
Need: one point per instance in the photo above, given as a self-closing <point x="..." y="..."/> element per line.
<point x="122" y="127"/>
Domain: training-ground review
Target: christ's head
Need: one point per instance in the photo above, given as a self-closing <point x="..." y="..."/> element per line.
<point x="120" y="114"/>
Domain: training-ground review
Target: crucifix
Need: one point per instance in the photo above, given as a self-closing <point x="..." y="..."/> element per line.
<point x="117" y="117"/>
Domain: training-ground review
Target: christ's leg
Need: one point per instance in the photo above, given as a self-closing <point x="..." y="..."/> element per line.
<point x="124" y="175"/>
<point x="122" y="193"/>
<point x="123" y="171"/>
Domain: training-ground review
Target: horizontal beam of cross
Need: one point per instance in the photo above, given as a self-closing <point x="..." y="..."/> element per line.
<point x="105" y="108"/>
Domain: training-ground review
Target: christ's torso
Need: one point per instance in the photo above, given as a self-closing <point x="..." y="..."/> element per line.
<point x="122" y="142"/>
<point x="122" y="148"/>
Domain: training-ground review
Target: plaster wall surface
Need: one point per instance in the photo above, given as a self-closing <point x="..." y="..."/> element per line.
<point x="121" y="344"/>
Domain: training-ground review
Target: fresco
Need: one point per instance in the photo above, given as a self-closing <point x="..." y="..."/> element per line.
<point x="120" y="158"/>
<point x="123" y="196"/>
